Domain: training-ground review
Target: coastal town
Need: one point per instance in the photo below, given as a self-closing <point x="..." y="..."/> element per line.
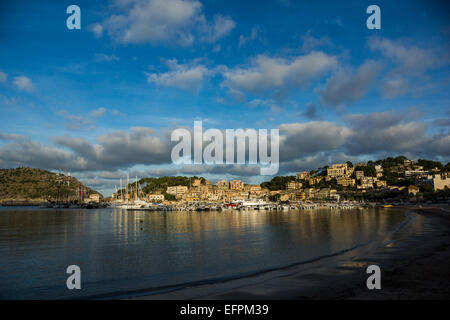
<point x="387" y="181"/>
<point x="384" y="182"/>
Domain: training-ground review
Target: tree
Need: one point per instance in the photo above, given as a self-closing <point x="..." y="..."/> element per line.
<point x="369" y="170"/>
<point x="275" y="197"/>
<point x="278" y="183"/>
<point x="169" y="197"/>
<point x="429" y="164"/>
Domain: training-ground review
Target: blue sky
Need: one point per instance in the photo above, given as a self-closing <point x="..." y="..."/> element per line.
<point x="103" y="100"/>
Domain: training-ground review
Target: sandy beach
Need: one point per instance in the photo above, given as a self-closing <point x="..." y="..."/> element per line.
<point x="414" y="265"/>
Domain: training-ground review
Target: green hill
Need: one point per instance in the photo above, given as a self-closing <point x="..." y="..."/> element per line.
<point x="30" y="185"/>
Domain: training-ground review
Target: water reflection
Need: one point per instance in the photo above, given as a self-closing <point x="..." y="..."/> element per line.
<point x="120" y="251"/>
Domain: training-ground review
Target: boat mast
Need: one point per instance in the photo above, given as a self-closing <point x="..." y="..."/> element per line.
<point x="136" y="194"/>
<point x="128" y="182"/>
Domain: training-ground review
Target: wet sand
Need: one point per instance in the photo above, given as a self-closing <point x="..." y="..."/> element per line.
<point x="421" y="271"/>
<point x="413" y="266"/>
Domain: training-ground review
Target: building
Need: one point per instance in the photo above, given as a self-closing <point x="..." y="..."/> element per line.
<point x="192" y="196"/>
<point x="337" y="170"/>
<point x="155" y="197"/>
<point x="415" y="173"/>
<point x="236" y="185"/>
<point x="177" y="191"/>
<point x="359" y="174"/>
<point x="345" y="181"/>
<point x="314" y="180"/>
<point x="196" y="183"/>
<point x="310" y="193"/>
<point x="94" y="197"/>
<point x="303" y="175"/>
<point x="379" y="170"/>
<point x="300" y="196"/>
<point x="366" y="183"/>
<point x="223" y="184"/>
<point x="325" y="193"/>
<point x="381" y="184"/>
<point x="252" y="188"/>
<point x="413" y="190"/>
<point x="440" y="182"/>
<point x="293" y="185"/>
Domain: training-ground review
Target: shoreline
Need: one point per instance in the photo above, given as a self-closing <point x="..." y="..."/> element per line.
<point x="421" y="274"/>
<point x="415" y="267"/>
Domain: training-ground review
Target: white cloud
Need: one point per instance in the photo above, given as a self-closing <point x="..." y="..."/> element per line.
<point x="410" y="59"/>
<point x="274" y="107"/>
<point x="76" y="122"/>
<point x="12" y="136"/>
<point x="23" y="83"/>
<point x="162" y="21"/>
<point x="3" y="77"/>
<point x="277" y="75"/>
<point x="101" y="57"/>
<point x="7" y="100"/>
<point x="310" y="42"/>
<point x="221" y="27"/>
<point x="85" y="121"/>
<point x="394" y="87"/>
<point x="100" y="112"/>
<point x="97" y="29"/>
<point x="243" y="39"/>
<point x="185" y="76"/>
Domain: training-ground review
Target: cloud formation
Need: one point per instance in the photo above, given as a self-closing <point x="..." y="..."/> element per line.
<point x="303" y="146"/>
<point x="246" y="39"/>
<point x="278" y="76"/>
<point x="410" y="59"/>
<point x="23" y="83"/>
<point x="162" y="21"/>
<point x="184" y="76"/>
<point x="3" y="77"/>
<point x="394" y="87"/>
<point x="311" y="111"/>
<point x="85" y="121"/>
<point x="348" y="86"/>
<point x="101" y="57"/>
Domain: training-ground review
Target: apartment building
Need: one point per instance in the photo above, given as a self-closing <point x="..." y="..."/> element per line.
<point x="293" y="185"/>
<point x="314" y="180"/>
<point x="177" y="191"/>
<point x="359" y="174"/>
<point x="345" y="181"/>
<point x="236" y="185"/>
<point x="223" y="184"/>
<point x="303" y="175"/>
<point x="440" y="181"/>
<point x="155" y="197"/>
<point x="366" y="182"/>
<point x="337" y="170"/>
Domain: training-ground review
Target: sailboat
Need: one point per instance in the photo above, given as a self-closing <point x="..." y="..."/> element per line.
<point x="136" y="202"/>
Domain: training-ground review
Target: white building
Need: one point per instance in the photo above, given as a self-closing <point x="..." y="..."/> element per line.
<point x="156" y="197"/>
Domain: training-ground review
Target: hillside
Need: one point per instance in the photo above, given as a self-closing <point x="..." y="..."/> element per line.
<point x="37" y="185"/>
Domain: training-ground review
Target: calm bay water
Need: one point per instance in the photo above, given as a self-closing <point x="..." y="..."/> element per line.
<point x="121" y="251"/>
